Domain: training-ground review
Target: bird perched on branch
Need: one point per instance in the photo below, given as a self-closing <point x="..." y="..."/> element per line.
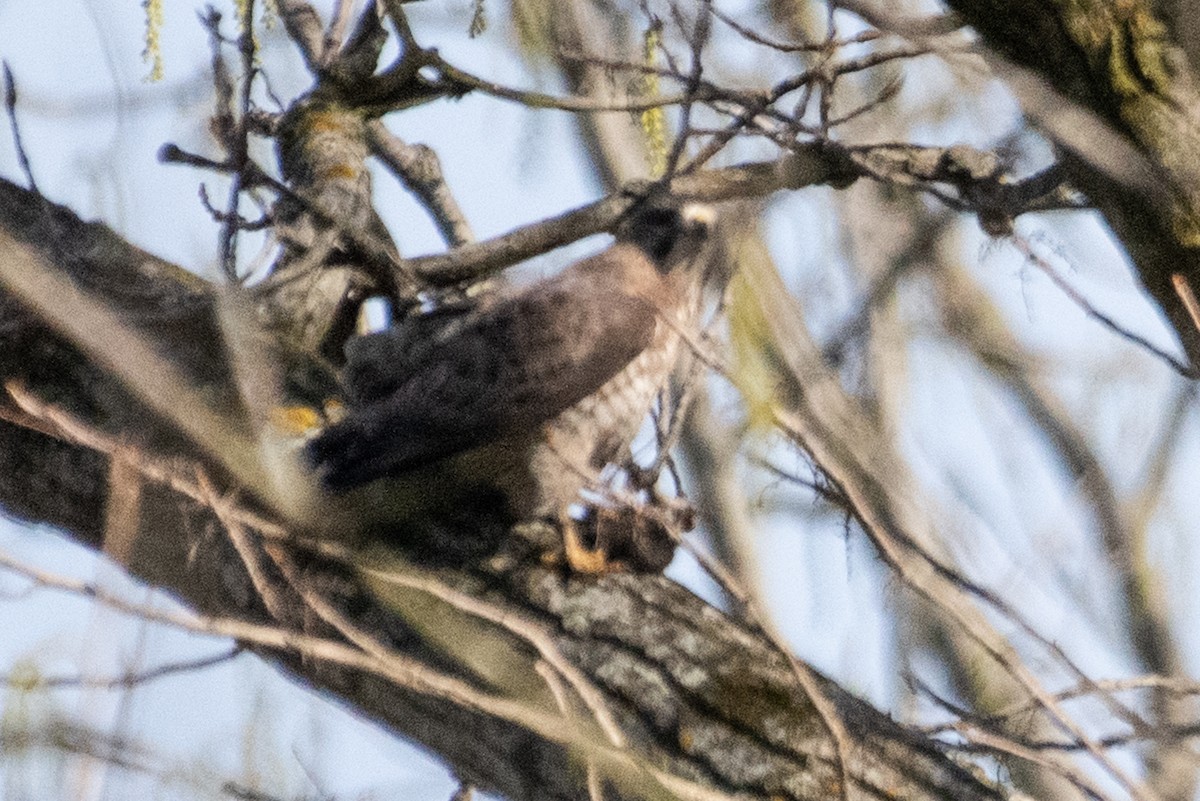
<point x="533" y="392"/>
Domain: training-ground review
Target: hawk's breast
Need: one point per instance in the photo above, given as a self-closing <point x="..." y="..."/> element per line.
<point x="596" y="431"/>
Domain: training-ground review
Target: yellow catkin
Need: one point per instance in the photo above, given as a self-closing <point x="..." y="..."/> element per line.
<point x="479" y="21"/>
<point x="153" y="51"/>
<point x="654" y="120"/>
<point x="245" y="16"/>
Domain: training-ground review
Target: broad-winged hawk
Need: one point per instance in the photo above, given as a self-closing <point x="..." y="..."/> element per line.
<point x="534" y="391"/>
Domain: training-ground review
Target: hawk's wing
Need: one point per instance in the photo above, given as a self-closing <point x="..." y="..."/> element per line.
<point x="379" y="364"/>
<point x="516" y="365"/>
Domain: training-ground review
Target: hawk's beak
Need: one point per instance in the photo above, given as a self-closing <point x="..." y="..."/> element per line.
<point x="698" y="218"/>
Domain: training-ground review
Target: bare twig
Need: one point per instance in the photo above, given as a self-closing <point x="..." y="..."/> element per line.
<point x="304" y="26"/>
<point x="125" y="681"/>
<point x="527" y="630"/>
<point x="362" y="238"/>
<point x="1025" y="247"/>
<point x="335" y="34"/>
<point x="419" y="168"/>
<point x="788" y="47"/>
<point x="185" y="478"/>
<point x="10" y="107"/>
<point x="239" y="157"/>
<point x="539" y="100"/>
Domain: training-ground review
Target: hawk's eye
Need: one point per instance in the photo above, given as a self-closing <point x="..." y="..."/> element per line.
<point x="661" y="218"/>
<point x="655" y="231"/>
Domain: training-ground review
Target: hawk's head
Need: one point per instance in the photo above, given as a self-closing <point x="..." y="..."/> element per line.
<point x="670" y="234"/>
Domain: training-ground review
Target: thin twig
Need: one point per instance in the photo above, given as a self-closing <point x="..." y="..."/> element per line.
<point x="941" y="585"/>
<point x="540" y="100"/>
<point x="10" y="107"/>
<point x="335" y="34"/>
<point x="362" y="238"/>
<point x="124" y="681"/>
<point x="419" y="168"/>
<point x="697" y="39"/>
<point x="526" y="629"/>
<point x="1186" y="296"/>
<point x="240" y="156"/>
<point x="181" y="476"/>
<point x="1025" y="248"/>
<point x="787" y="47"/>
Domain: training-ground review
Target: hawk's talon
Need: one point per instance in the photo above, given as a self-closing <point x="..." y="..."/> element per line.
<point x="641" y="478"/>
<point x="580" y="558"/>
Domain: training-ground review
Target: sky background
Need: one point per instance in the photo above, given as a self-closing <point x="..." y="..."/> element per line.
<point x="92" y="126"/>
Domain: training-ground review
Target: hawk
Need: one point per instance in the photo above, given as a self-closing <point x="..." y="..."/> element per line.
<point x="534" y="391"/>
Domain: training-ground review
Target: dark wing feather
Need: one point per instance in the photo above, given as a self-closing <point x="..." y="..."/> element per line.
<point x="378" y="364"/>
<point x="513" y="367"/>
